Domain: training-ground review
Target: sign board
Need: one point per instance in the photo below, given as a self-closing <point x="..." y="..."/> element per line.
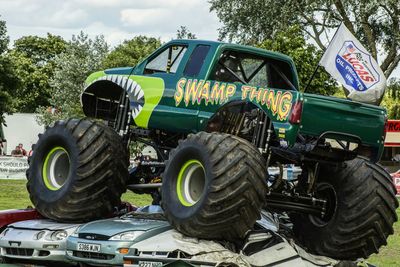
<point x="392" y="133"/>
<point x="13" y="167"/>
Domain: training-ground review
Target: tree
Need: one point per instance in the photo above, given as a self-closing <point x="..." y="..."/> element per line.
<point x="8" y="79"/>
<point x="391" y="101"/>
<point x="34" y="59"/>
<point x="375" y="23"/>
<point x="131" y="52"/>
<point x="306" y="56"/>
<point x="185" y="33"/>
<point x="82" y="57"/>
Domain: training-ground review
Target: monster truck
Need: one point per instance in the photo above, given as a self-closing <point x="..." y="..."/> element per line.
<point x="218" y="115"/>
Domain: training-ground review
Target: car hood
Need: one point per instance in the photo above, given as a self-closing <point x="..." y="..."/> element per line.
<point x="42" y="224"/>
<point x="110" y="227"/>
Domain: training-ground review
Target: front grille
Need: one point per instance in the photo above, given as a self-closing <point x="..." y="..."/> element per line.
<point x="93" y="255"/>
<point x="90" y="236"/>
<point x="19" y="251"/>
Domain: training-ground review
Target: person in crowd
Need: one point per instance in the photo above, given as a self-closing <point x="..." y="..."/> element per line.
<point x="21" y="147"/>
<point x="17" y="152"/>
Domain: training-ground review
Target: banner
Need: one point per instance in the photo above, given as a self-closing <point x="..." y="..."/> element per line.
<point x="350" y="64"/>
<point x="13" y="167"/>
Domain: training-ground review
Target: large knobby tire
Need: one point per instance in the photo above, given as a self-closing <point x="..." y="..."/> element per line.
<point x="361" y="211"/>
<point x="214" y="186"/>
<point x="78" y="171"/>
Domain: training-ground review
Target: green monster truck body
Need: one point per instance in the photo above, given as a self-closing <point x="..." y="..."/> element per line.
<point x="187" y="98"/>
<point x="218" y="115"/>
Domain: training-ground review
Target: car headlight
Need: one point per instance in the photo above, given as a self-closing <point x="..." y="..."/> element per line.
<point x="59" y="235"/>
<point x="39" y="235"/>
<point x="127" y="236"/>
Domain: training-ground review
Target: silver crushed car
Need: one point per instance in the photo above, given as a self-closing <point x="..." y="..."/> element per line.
<point x="39" y="241"/>
<point x="106" y="242"/>
<point x="263" y="246"/>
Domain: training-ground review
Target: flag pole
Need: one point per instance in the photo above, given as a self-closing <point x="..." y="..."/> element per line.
<point x="316" y="68"/>
<point x="312" y="77"/>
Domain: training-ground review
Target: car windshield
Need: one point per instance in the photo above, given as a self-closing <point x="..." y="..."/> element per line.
<point x="143" y="215"/>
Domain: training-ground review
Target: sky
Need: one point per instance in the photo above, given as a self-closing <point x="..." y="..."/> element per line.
<point x="117" y="20"/>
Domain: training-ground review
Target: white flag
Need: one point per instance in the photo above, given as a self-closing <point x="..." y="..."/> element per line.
<point x="350" y="64"/>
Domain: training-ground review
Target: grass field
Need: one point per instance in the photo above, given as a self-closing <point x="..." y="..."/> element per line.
<point x="13" y="195"/>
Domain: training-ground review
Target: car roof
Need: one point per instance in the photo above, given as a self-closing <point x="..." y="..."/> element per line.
<point x="233" y="46"/>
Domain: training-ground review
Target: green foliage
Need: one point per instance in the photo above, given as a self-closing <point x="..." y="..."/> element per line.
<point x="9" y="81"/>
<point x="131" y="52"/>
<point x="184" y="33"/>
<point x="3" y="37"/>
<point x="251" y="22"/>
<point x="375" y="23"/>
<point x="306" y="56"/>
<point x="391" y="100"/>
<point x="34" y="59"/>
<point x="81" y="57"/>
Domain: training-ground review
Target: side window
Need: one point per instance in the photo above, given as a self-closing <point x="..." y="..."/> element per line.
<point x="240" y="67"/>
<point x="167" y="61"/>
<point x="227" y="69"/>
<point x="196" y="60"/>
<point x="281" y="75"/>
<point x="254" y="70"/>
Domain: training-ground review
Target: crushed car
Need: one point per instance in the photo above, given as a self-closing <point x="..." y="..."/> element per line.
<point x="32" y="239"/>
<point x="41" y="241"/>
<point x="106" y="242"/>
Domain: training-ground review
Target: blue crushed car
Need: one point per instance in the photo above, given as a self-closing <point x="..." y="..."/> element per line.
<point x="106" y="242"/>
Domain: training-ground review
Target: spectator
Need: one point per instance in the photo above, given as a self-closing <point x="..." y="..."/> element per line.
<point x="21" y="147"/>
<point x="17" y="152"/>
<point x="1" y="148"/>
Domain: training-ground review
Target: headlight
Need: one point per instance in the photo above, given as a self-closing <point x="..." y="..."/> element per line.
<point x="39" y="235"/>
<point x="127" y="236"/>
<point x="58" y="235"/>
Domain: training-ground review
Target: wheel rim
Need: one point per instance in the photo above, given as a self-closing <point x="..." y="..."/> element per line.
<point x="325" y="191"/>
<point x="56" y="168"/>
<point x="191" y="183"/>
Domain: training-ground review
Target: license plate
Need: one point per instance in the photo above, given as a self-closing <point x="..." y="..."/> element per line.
<point x="89" y="247"/>
<point x="150" y="264"/>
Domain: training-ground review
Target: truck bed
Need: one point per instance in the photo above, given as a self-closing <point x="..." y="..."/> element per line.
<point x="348" y="118"/>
